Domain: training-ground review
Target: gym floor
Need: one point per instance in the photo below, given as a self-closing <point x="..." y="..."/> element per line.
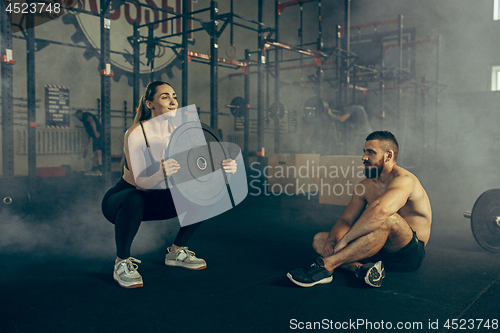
<point x="57" y="272"/>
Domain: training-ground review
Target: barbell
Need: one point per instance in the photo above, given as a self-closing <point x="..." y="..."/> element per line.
<point x="485" y="220"/>
<point x="239" y="107"/>
<point x="314" y="108"/>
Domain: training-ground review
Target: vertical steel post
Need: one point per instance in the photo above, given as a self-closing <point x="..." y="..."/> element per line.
<point x="30" y="69"/>
<point x="353" y="84"/>
<point x="124" y="115"/>
<point x="185" y="67"/>
<point x="276" y="79"/>
<point x="136" y="68"/>
<point x="246" y="133"/>
<point x="151" y="44"/>
<point x="437" y="95"/>
<point x="106" y="93"/>
<point x="339" y="67"/>
<point x="381" y="85"/>
<point x="319" y="47"/>
<point x="268" y="80"/>
<point x="347" y="23"/>
<point x="399" y="73"/>
<point x="260" y="78"/>
<point x="214" y="66"/>
<point x="7" y="99"/>
<point x="422" y="112"/>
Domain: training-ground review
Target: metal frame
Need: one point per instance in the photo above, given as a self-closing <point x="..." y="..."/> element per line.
<point x="7" y="99"/>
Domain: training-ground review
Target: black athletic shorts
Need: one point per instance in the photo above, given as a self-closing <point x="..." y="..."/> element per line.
<point x="97" y="144"/>
<point x="408" y="259"/>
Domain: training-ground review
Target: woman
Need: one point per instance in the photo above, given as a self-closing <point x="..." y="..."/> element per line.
<point x="128" y="203"/>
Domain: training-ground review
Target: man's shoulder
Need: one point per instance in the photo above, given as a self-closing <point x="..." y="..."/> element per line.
<point x="403" y="176"/>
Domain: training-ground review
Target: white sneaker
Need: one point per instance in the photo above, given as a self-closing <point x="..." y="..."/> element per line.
<point x="126" y="274"/>
<point x="182" y="257"/>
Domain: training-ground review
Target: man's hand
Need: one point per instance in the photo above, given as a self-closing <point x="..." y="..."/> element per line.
<point x="97" y="134"/>
<point x="170" y="167"/>
<point x="340" y="245"/>
<point x="229" y="166"/>
<point x="328" y="248"/>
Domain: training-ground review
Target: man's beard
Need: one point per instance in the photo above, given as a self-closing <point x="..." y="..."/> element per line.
<point x="374" y="171"/>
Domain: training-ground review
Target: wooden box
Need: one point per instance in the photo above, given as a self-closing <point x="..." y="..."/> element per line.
<point x="338" y="177"/>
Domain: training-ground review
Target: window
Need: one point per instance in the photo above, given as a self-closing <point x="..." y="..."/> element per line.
<point x="496" y="10"/>
<point x="495" y="78"/>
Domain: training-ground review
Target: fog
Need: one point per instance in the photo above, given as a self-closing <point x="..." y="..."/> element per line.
<point x="75" y="228"/>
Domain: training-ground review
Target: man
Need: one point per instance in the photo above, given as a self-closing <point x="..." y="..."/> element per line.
<point x="389" y="221"/>
<point x="93" y="130"/>
<point x="358" y="126"/>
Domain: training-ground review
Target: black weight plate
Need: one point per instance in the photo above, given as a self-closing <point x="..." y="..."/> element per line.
<point x="15" y="199"/>
<point x="277" y="109"/>
<point x="198" y="150"/>
<point x="240" y="106"/>
<point x="484" y="225"/>
<point x="314" y="108"/>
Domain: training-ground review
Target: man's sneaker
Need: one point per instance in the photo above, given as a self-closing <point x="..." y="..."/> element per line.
<point x="182" y="257"/>
<point x="311" y="275"/>
<point x="126" y="274"/>
<point x="371" y="273"/>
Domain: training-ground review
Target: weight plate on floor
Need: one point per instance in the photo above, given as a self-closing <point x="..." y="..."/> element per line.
<point x="485" y="220"/>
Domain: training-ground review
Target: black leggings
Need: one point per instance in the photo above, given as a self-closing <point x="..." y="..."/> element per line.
<point x="126" y="207"/>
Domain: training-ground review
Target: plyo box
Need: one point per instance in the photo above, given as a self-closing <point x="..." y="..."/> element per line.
<point x="292" y="173"/>
<point x="337" y="178"/>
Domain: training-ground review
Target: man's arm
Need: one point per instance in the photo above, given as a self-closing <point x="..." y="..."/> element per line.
<point x="344" y="223"/>
<point x="92" y="123"/>
<point x="341" y="118"/>
<point x="377" y="212"/>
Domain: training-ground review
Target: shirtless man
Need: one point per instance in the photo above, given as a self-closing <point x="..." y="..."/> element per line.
<point x="390" y="221"/>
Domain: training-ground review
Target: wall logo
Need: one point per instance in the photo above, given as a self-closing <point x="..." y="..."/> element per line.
<point x="122" y="20"/>
<point x="19" y="11"/>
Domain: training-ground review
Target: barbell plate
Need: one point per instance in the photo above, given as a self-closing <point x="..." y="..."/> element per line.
<point x="277" y="109"/>
<point x="484" y="224"/>
<point x="314" y="108"/>
<point x="238" y="106"/>
<point x="198" y="150"/>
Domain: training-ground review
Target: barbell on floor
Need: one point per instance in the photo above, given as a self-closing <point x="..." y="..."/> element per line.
<point x="485" y="220"/>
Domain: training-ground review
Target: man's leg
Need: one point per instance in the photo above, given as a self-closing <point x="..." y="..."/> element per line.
<point x="392" y="235"/>
<point x="318" y="245"/>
